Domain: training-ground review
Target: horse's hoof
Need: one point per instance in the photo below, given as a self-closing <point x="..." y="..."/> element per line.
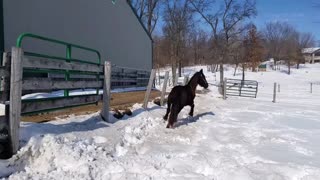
<point x="165" y="117"/>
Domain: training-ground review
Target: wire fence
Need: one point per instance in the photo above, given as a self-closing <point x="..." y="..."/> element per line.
<point x="300" y="94"/>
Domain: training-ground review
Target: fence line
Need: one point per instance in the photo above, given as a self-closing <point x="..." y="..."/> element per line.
<point x="19" y="84"/>
<point x="33" y="72"/>
<point x="160" y="79"/>
<point x="274" y="92"/>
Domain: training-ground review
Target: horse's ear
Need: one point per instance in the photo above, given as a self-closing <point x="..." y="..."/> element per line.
<point x="201" y="71"/>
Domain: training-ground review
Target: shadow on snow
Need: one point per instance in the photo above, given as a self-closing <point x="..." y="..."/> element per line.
<point x="189" y="120"/>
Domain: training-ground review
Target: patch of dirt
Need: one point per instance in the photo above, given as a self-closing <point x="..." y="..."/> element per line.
<point x="118" y="101"/>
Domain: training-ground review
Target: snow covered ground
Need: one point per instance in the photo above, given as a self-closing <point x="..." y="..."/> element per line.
<point x="237" y="138"/>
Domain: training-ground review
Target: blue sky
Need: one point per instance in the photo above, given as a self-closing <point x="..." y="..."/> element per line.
<point x="302" y="14"/>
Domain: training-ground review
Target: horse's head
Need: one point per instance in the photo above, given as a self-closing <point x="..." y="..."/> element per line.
<point x="202" y="79"/>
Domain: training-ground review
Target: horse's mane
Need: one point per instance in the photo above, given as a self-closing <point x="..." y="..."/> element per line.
<point x="193" y="77"/>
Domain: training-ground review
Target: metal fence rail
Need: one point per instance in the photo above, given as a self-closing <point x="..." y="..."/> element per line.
<point x="243" y="88"/>
<point x="67" y="58"/>
<point x="122" y="77"/>
<point x="30" y="71"/>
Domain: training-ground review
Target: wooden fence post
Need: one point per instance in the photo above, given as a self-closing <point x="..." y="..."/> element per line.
<point x="15" y="97"/>
<point x="274" y="92"/>
<point x="164" y="87"/>
<point x="224" y="89"/>
<point x="106" y="91"/>
<point x="146" y="97"/>
<point x="159" y="76"/>
<point x="311" y="88"/>
<point x="5" y="141"/>
<point x="5" y="83"/>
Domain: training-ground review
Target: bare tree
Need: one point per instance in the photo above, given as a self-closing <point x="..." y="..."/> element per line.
<point x="306" y="40"/>
<point x="237" y="54"/>
<point x="291" y="46"/>
<point x="285" y="42"/>
<point x="139" y="7"/>
<point x="198" y="45"/>
<point x="178" y="18"/>
<point x="147" y="11"/>
<point x="273" y="36"/>
<point x="224" y="23"/>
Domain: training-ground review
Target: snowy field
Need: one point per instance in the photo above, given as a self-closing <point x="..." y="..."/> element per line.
<point x="233" y="139"/>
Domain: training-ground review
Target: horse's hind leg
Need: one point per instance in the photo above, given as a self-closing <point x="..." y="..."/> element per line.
<point x="165" y="117"/>
<point x="191" y="110"/>
<point x="173" y="115"/>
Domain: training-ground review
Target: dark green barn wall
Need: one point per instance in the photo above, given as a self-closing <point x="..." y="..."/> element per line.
<point x="1" y="28"/>
<point x="110" y="28"/>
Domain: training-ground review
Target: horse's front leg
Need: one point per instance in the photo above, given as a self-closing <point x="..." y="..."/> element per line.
<point x="191" y="110"/>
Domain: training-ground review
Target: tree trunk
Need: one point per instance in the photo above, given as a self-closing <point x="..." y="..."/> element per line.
<point x="150" y="23"/>
<point x="179" y="68"/>
<point x="173" y="65"/>
<point x="253" y="68"/>
<point x="174" y="72"/>
<point x="195" y="57"/>
<point x="216" y="67"/>
<point x="289" y="67"/>
<point x="159" y="75"/>
<point x="243" y="74"/>
<point x="150" y="16"/>
<point x="235" y="70"/>
<point x="298" y="64"/>
<point x="221" y="73"/>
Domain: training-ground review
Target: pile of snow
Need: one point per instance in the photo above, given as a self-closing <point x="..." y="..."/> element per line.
<point x="237" y="138"/>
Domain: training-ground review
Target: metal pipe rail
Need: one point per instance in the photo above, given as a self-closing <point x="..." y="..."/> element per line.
<point x="68" y="57"/>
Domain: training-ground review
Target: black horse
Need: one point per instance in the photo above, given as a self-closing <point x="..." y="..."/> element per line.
<point x="181" y="96"/>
